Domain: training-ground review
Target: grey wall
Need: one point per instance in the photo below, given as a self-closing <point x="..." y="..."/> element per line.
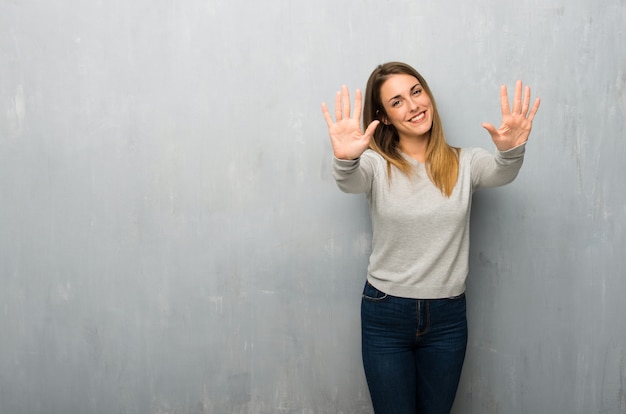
<point x="171" y="239"/>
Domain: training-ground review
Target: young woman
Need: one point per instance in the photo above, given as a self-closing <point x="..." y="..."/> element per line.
<point x="419" y="188"/>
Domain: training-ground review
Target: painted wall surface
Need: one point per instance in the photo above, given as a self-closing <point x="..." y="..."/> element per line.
<point x="172" y="240"/>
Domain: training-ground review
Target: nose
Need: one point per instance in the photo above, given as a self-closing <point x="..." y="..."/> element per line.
<point x="413" y="105"/>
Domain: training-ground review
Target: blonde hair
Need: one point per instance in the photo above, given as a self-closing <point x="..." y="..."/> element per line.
<point x="442" y="160"/>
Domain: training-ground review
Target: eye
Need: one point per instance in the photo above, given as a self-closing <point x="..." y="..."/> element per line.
<point x="417" y="91"/>
<point x="395" y="103"/>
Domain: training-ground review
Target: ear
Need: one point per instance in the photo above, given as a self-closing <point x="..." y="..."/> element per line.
<point x="382" y="118"/>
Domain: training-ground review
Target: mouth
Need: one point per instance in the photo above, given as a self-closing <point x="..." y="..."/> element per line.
<point x="418" y="118"/>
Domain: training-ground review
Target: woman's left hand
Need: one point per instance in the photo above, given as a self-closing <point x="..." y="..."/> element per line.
<point x="516" y="124"/>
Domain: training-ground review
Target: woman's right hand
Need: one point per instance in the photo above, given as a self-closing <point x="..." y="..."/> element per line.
<point x="346" y="137"/>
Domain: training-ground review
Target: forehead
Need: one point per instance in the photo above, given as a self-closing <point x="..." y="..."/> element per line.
<point x="397" y="85"/>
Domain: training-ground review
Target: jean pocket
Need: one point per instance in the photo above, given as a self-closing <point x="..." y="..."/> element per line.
<point x="372" y="294"/>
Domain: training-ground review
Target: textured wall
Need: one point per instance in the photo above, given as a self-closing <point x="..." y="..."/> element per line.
<point x="172" y="241"/>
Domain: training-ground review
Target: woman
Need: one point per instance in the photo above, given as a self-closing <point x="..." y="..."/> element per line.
<point x="419" y="188"/>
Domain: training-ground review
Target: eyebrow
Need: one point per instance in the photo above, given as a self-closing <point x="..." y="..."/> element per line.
<point x="398" y="96"/>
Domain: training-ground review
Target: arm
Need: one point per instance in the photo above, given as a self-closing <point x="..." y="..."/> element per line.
<point x="352" y="172"/>
<point x="489" y="170"/>
<point x="354" y="176"/>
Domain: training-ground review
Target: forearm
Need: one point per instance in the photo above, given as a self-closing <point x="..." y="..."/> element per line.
<point x="489" y="170"/>
<point x="351" y="176"/>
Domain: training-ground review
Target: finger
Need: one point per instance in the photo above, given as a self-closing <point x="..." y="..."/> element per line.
<point x="358" y="99"/>
<point x="338" y="106"/>
<point x="491" y="129"/>
<point x="526" y="101"/>
<point x="329" y="120"/>
<point x="345" y="102"/>
<point x="369" y="132"/>
<point x="533" y="111"/>
<point x="504" y="101"/>
<point x="517" y="99"/>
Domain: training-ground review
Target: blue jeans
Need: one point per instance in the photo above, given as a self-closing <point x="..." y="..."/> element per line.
<point x="413" y="351"/>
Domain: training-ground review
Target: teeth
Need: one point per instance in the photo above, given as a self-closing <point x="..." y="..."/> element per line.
<point x="418" y="117"/>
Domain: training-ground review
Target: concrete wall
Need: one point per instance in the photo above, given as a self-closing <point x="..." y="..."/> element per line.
<point x="172" y="241"/>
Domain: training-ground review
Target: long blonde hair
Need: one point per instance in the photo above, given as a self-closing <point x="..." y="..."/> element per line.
<point x="442" y="160"/>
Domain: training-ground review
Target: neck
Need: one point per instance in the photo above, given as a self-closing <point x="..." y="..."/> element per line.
<point x="415" y="147"/>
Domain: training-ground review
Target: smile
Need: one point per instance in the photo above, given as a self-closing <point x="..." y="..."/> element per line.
<point x="419" y="117"/>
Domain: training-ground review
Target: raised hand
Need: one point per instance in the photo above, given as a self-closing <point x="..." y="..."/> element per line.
<point x="346" y="137"/>
<point x="516" y="124"/>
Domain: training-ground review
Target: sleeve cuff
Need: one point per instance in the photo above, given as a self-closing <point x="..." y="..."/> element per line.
<point x="514" y="152"/>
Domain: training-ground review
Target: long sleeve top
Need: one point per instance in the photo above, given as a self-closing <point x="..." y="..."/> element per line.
<point x="420" y="239"/>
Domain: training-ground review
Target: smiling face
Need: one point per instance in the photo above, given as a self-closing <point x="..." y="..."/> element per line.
<point x="407" y="106"/>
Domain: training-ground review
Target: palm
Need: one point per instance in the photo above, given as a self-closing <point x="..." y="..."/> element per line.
<point x="516" y="124"/>
<point x="346" y="137"/>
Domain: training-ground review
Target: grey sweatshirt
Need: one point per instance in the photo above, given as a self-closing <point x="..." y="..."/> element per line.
<point x="420" y="240"/>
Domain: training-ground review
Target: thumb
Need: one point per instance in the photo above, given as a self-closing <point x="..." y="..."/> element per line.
<point x="491" y="129"/>
<point x="371" y="128"/>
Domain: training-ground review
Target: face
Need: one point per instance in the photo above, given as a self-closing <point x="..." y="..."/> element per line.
<point x="408" y="106"/>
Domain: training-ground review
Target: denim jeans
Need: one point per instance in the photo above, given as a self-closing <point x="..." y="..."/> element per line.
<point x="413" y="351"/>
